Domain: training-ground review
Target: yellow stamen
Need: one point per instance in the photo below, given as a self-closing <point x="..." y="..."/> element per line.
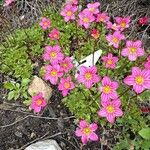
<point x="110" y="109"/>
<point x="65" y="65"/>
<point x="87" y="131"/>
<point x="69" y="13"/>
<point x="107" y="89"/>
<point x="115" y="40"/>
<point x="109" y="62"/>
<point x="53" y="54"/>
<point x="132" y="50"/>
<point x="67" y="85"/>
<point x="86" y="20"/>
<point x="101" y="18"/>
<point x="55" y="35"/>
<point x="39" y="102"/>
<point x="88" y="76"/>
<point x="123" y="24"/>
<point x="45" y="23"/>
<point x="91" y="9"/>
<point x="139" y="80"/>
<point x="53" y="73"/>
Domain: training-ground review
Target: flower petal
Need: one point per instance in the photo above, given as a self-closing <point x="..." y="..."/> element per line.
<point x="78" y="132"/>
<point x="93" y="126"/>
<point x="93" y="136"/>
<point x="83" y="124"/>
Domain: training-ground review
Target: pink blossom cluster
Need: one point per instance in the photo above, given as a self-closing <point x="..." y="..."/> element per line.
<point x="59" y="67"/>
<point x="88" y="15"/>
<point x="109" y="100"/>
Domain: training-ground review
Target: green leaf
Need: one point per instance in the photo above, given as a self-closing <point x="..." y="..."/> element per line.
<point x="11" y="95"/>
<point x="25" y="81"/>
<point x="145" y="133"/>
<point x="9" y="85"/>
<point x="27" y="102"/>
<point x="1" y="2"/>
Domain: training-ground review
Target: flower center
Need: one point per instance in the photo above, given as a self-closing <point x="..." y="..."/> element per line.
<point x="87" y="131"/>
<point x="55" y="35"/>
<point x="88" y="76"/>
<point x="115" y="40"/>
<point x="65" y="65"/>
<point x="139" y="80"/>
<point x="101" y="18"/>
<point x="86" y="20"/>
<point x="109" y="62"/>
<point x="132" y="50"/>
<point x="45" y="23"/>
<point x="107" y="89"/>
<point x="95" y="34"/>
<point x="110" y="109"/>
<point x="74" y="1"/>
<point x="123" y="24"/>
<point x="91" y="9"/>
<point x="67" y="85"/>
<point x="69" y="13"/>
<point x="39" y="102"/>
<point x="53" y="73"/>
<point x="53" y="54"/>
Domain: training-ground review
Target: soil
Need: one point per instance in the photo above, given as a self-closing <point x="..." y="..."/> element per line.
<point x="18" y="126"/>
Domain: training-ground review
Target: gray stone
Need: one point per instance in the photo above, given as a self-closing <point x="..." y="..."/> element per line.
<point x="38" y="85"/>
<point x="44" y="145"/>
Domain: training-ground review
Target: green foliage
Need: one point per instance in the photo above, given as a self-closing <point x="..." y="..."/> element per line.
<point x="16" y="62"/>
<point x="25" y="47"/>
<point x="145" y="133"/>
<point x="17" y="90"/>
<point x="1" y="2"/>
<point x="19" y="50"/>
<point x="81" y="102"/>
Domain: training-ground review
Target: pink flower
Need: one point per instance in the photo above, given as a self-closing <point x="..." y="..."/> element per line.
<point x="143" y="20"/>
<point x="147" y="64"/>
<point x="53" y="73"/>
<point x="112" y="26"/>
<point x="8" y="2"/>
<point x="66" y="64"/>
<point x="74" y="2"/>
<point x="115" y="38"/>
<point x="54" y="35"/>
<point x="68" y="12"/>
<point x="88" y="76"/>
<point x="95" y="33"/>
<point x="110" y="61"/>
<point x="123" y="22"/>
<point x="45" y="23"/>
<point x="66" y="85"/>
<point x="102" y="17"/>
<point x="108" y="89"/>
<point x="53" y="53"/>
<point x="110" y="110"/>
<point x="85" y="18"/>
<point x="133" y="50"/>
<point x="86" y="131"/>
<point x="93" y="7"/>
<point x="140" y="79"/>
<point x="38" y="102"/>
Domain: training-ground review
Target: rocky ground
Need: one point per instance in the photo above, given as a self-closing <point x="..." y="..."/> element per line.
<point x="18" y="127"/>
